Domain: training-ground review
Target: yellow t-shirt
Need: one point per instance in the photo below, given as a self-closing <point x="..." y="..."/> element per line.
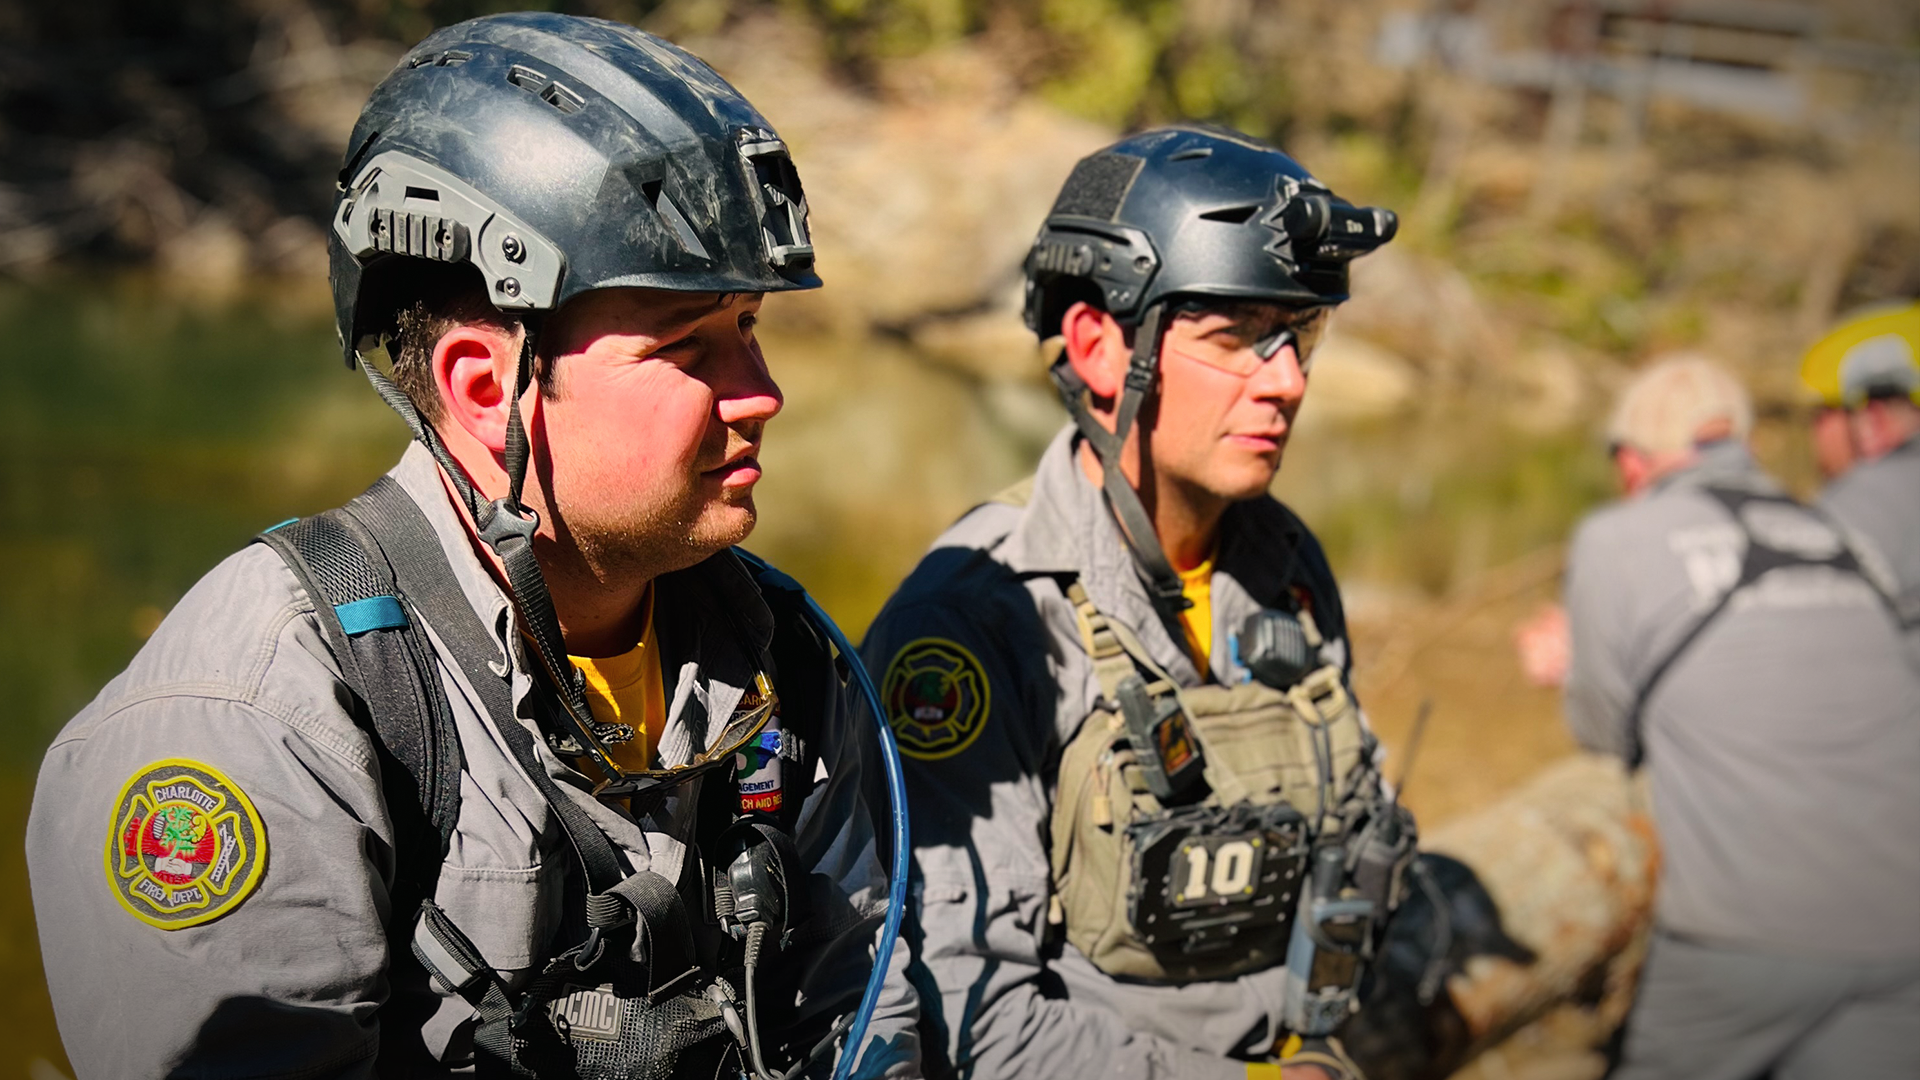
<point x="1197" y="586"/>
<point x="627" y="689"/>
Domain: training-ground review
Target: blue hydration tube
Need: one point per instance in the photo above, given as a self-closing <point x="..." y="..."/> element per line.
<point x="767" y="576"/>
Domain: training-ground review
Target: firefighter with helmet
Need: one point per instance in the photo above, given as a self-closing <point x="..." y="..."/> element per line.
<point x="1150" y="834"/>
<point x="515" y="764"/>
<point x="1867" y="439"/>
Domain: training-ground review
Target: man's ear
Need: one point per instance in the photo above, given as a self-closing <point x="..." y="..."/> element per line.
<point x="1096" y="348"/>
<point x="473" y="370"/>
<point x="1631" y="468"/>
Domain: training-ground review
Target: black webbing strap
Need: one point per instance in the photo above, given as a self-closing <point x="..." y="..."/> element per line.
<point x="1163" y="584"/>
<point x="421" y="571"/>
<point x="1760" y="560"/>
<point x="450" y="957"/>
<point x="508" y="527"/>
<point x="389" y="668"/>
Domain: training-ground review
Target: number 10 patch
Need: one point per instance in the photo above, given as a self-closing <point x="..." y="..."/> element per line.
<point x="1215" y="870"/>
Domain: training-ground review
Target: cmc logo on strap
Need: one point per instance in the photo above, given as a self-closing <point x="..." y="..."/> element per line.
<point x="185" y="845"/>
<point x="936" y="697"/>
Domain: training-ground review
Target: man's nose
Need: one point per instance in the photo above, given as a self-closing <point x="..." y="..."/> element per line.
<point x="747" y="391"/>
<point x="1281" y="377"/>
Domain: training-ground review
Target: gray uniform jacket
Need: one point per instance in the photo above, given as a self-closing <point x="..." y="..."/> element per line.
<point x="1008" y="996"/>
<point x="1784" y="745"/>
<point x="292" y="978"/>
<point x="1880" y="500"/>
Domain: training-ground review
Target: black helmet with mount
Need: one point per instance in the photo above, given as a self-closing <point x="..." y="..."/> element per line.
<point x="1172" y="216"/>
<point x="558" y="154"/>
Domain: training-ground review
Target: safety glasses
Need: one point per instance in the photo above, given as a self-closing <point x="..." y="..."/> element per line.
<point x="742" y="728"/>
<point x="1239" y="338"/>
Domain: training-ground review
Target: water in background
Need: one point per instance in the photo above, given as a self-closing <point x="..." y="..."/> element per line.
<point x="147" y="435"/>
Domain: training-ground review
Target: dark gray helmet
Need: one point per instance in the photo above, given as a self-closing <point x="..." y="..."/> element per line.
<point x="1194" y="212"/>
<point x="559" y="154"/>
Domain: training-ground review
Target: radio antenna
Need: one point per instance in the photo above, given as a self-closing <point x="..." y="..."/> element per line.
<point x="1413" y="747"/>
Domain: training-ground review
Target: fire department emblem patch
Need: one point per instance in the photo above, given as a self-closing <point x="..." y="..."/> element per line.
<point x="185" y="845"/>
<point x="937" y="697"/>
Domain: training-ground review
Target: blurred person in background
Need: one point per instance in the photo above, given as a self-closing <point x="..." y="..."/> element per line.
<point x="1734" y="640"/>
<point x="1867" y="438"/>
<point x="1108" y="680"/>
<point x="513" y="765"/>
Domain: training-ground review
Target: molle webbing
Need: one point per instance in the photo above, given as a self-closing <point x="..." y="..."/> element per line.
<point x="1281" y="768"/>
<point x="1113" y="648"/>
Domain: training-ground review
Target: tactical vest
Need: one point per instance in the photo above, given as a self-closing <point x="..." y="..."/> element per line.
<point x="1207" y="882"/>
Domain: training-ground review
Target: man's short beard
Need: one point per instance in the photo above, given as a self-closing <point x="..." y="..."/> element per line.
<point x="657" y="543"/>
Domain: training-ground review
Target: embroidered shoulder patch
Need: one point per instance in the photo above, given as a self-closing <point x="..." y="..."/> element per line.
<point x="937" y="698"/>
<point x="185" y="845"/>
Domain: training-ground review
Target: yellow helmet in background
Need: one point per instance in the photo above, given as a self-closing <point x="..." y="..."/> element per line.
<point x="1872" y="353"/>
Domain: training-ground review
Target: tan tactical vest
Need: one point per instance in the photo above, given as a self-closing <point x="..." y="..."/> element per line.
<point x="1208" y="888"/>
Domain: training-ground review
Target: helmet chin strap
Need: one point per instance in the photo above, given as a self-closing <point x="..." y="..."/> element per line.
<point x="507" y="526"/>
<point x="1163" y="584"/>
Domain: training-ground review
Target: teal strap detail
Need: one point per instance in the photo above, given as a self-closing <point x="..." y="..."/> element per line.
<point x="373" y="613"/>
<point x="284" y="524"/>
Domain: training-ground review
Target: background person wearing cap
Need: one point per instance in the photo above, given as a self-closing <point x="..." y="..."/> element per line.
<point x="1867" y="437"/>
<point x="1730" y="637"/>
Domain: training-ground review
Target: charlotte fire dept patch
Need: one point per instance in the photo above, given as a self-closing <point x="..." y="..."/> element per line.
<point x="185" y="845"/>
<point x="936" y="697"/>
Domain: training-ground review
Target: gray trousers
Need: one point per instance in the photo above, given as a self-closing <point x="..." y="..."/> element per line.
<point x="1707" y="1012"/>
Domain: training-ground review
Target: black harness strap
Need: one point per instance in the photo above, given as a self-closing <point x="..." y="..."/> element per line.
<point x="1760" y="560"/>
<point x="1163" y="584"/>
<point x="376" y="572"/>
<point x="401" y="703"/>
<point x="421" y="570"/>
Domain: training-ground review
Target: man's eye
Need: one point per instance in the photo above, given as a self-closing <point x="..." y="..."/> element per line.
<point x="748" y="322"/>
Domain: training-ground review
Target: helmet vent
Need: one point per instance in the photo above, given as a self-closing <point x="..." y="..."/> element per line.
<point x="1194" y="154"/>
<point x="548" y="90"/>
<point x="562" y="98"/>
<point x="1098" y="185"/>
<point x="450" y="58"/>
<point x="676" y="221"/>
<point x="1232" y="215"/>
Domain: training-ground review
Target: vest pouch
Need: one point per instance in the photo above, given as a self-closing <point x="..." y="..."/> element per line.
<point x="1102" y="790"/>
<point x="1215" y="890"/>
<point x="1304" y="746"/>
